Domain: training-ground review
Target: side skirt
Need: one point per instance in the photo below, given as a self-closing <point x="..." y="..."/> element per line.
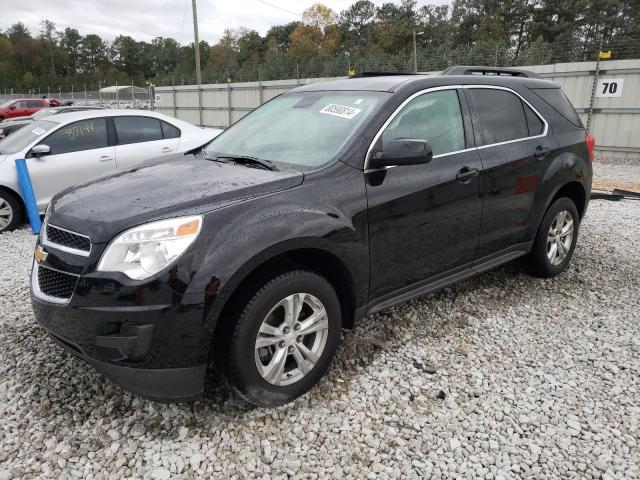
<point x="447" y="278"/>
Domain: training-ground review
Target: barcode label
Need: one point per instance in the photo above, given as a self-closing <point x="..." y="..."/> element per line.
<point x="342" y="111"/>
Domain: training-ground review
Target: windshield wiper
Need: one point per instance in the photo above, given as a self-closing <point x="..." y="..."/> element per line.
<point x="252" y="162"/>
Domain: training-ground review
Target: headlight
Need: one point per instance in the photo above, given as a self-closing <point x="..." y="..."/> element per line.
<point x="145" y="250"/>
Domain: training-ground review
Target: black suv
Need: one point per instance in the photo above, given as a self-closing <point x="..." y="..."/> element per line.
<point x="326" y="204"/>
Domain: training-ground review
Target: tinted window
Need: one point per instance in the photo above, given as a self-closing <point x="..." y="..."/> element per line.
<point x="34" y="103"/>
<point x="78" y="136"/>
<point x="170" y="131"/>
<point x="500" y="115"/>
<point x="137" y="129"/>
<point x="559" y="101"/>
<point x="435" y="117"/>
<point x="21" y="104"/>
<point x="536" y="127"/>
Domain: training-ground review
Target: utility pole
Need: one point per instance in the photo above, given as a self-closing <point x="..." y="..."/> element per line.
<point x="596" y="75"/>
<point x="415" y="51"/>
<point x="197" y="42"/>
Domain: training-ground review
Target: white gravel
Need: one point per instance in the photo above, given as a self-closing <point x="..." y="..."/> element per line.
<point x="533" y="379"/>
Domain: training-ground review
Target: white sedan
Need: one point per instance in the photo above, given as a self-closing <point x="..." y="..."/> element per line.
<point x="71" y="148"/>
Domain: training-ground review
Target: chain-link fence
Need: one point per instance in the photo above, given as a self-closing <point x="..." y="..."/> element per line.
<point x="427" y="59"/>
<point x="121" y="97"/>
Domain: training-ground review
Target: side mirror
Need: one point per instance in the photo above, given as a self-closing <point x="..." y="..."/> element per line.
<point x="40" y="151"/>
<point x="12" y="107"/>
<point x="402" y="151"/>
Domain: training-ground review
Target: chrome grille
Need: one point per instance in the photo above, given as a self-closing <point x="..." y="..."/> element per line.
<point x="67" y="241"/>
<point x="53" y="283"/>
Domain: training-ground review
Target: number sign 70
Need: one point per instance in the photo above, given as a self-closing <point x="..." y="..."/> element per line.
<point x="609" y="87"/>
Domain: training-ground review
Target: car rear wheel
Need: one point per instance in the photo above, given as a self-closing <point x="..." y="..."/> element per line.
<point x="556" y="240"/>
<point x="284" y="339"/>
<point x="10" y="212"/>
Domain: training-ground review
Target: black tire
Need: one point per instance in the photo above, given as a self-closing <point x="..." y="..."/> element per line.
<point x="537" y="262"/>
<point x="9" y="200"/>
<point x="235" y="357"/>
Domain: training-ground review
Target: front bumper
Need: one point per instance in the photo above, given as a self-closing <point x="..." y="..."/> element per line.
<point x="159" y="384"/>
<point x="149" y="337"/>
<point x="157" y="353"/>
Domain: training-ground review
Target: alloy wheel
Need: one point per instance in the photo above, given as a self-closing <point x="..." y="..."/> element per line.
<point x="6" y="214"/>
<point x="291" y="339"/>
<point x="560" y="237"/>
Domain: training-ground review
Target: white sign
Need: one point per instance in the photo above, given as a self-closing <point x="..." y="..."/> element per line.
<point x="38" y="131"/>
<point x="342" y="111"/>
<point x="609" y="87"/>
<point x="157" y="98"/>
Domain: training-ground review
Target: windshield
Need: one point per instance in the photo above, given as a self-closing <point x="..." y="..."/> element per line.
<point x="45" y="112"/>
<point x="6" y="104"/>
<point x="25" y="136"/>
<point x="305" y="129"/>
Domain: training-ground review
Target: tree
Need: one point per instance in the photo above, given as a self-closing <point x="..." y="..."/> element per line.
<point x="71" y="42"/>
<point x="251" y="46"/>
<point x="357" y="24"/>
<point x="93" y="56"/>
<point x="47" y="39"/>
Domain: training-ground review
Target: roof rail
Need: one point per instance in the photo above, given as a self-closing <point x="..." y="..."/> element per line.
<point x="380" y="74"/>
<point x="499" y="71"/>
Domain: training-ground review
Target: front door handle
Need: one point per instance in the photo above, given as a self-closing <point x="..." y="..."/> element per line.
<point x="105" y="158"/>
<point x="541" y="152"/>
<point x="465" y="174"/>
<point x="166" y="149"/>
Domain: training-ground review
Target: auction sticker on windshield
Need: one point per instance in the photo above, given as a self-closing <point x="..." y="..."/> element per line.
<point x="38" y="131"/>
<point x="342" y="111"/>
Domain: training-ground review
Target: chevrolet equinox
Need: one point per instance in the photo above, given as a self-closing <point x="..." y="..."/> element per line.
<point x="328" y="203"/>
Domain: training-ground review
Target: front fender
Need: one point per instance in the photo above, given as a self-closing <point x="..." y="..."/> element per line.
<point x="238" y="239"/>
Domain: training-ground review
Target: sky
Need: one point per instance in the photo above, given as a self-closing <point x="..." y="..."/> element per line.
<point x="146" y="19"/>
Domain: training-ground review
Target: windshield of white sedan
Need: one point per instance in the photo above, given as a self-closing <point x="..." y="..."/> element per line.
<point x="305" y="129"/>
<point x="25" y="136"/>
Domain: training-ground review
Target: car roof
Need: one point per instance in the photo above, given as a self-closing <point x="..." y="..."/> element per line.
<point x="79" y="107"/>
<point x="394" y="83"/>
<point x="87" y="114"/>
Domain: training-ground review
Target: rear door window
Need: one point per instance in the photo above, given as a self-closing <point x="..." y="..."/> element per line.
<point x="435" y="117"/>
<point x="500" y="115"/>
<point x="78" y="136"/>
<point x="34" y="103"/>
<point x="137" y="129"/>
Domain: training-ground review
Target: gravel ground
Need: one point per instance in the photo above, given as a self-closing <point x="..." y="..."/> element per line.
<point x="616" y="173"/>
<point x="502" y="376"/>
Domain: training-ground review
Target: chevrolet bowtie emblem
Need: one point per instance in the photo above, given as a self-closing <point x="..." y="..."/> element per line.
<point x="40" y="255"/>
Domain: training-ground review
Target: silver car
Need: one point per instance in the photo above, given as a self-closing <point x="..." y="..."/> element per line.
<point x="71" y="148"/>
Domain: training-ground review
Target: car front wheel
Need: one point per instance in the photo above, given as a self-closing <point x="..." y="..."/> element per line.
<point x="283" y="340"/>
<point x="10" y="212"/>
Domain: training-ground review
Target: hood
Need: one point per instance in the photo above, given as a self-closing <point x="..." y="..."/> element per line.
<point x="191" y="185"/>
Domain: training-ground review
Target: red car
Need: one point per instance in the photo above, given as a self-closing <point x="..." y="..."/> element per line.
<point x="23" y="107"/>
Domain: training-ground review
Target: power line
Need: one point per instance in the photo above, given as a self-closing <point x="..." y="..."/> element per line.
<point x="280" y="8"/>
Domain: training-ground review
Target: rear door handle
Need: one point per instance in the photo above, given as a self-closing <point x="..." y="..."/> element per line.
<point x="105" y="158"/>
<point x="166" y="149"/>
<point x="541" y="152"/>
<point x="465" y="174"/>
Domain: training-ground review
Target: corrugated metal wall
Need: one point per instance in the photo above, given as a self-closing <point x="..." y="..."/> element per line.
<point x="615" y="121"/>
